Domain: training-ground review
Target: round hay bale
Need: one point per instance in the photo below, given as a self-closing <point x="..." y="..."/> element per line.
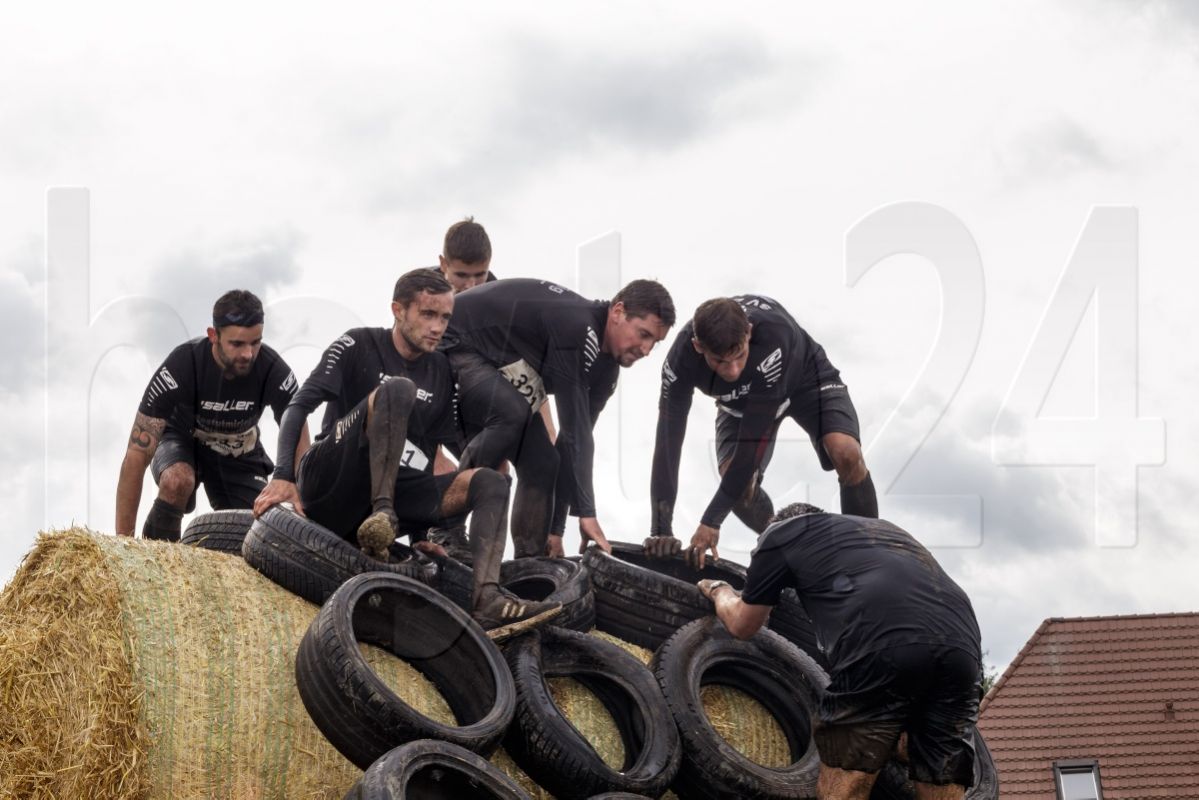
<point x="135" y="669"/>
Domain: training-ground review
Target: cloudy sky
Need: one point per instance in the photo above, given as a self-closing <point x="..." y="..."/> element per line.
<point x="985" y="215"/>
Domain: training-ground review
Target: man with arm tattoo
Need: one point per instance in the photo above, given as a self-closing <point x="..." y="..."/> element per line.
<point x="198" y="421"/>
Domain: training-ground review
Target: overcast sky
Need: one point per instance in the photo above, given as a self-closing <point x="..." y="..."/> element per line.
<point x="910" y="182"/>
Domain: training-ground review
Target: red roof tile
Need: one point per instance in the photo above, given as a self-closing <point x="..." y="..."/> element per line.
<point x="1122" y="690"/>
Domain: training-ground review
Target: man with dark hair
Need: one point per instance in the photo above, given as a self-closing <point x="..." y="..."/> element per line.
<point x="369" y="477"/>
<point x="901" y="639"/>
<point x="751" y="355"/>
<point x="198" y="421"/>
<point x="465" y="259"/>
<point x="515" y="342"/>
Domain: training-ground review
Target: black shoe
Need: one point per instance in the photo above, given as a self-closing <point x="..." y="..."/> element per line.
<point x="455" y="542"/>
<point x="504" y="615"/>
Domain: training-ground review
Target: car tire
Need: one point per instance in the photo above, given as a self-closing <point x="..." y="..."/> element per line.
<point x="223" y="531"/>
<point x="768" y="668"/>
<point x="552" y="751"/>
<point x="312" y="561"/>
<point x="645" y="600"/>
<point x="358" y="712"/>
<point x="553" y="579"/>
<point x="431" y="768"/>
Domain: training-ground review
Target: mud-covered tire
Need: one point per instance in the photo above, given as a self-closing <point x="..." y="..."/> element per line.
<point x="553" y="579"/>
<point x="428" y="768"/>
<point x="553" y="752"/>
<point x="645" y="600"/>
<point x="223" y="531"/>
<point x="455" y="580"/>
<point x="358" y="712"/>
<point x="894" y="784"/>
<point x="312" y="561"/>
<point x="776" y="673"/>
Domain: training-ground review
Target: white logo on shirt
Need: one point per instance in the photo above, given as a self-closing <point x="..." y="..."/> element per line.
<point x="590" y="349"/>
<point x="772" y="366"/>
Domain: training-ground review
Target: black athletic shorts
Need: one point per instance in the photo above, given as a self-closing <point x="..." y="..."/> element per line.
<point x="819" y="407"/>
<point x="229" y="482"/>
<point x="335" y="483"/>
<point x="930" y="691"/>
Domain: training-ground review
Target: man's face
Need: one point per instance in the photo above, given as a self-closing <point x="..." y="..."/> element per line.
<point x="630" y="339"/>
<point x="235" y="348"/>
<point x="423" y="322"/>
<point x="728" y="366"/>
<point x="463" y="276"/>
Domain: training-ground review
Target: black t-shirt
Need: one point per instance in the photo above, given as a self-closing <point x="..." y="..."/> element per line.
<point x="559" y="334"/>
<point x="190" y="391"/>
<point x="865" y="583"/>
<point x="363" y="358"/>
<point x="783" y="358"/>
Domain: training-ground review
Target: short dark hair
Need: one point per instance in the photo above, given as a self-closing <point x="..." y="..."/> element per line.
<point x="237" y="307"/>
<point x="466" y="241"/>
<point x="642" y="298"/>
<point x="720" y="325"/>
<point x="419" y="280"/>
<point x="794" y="510"/>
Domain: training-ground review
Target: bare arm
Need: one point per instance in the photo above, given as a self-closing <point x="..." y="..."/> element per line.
<point x="740" y="618"/>
<point x="143" y="441"/>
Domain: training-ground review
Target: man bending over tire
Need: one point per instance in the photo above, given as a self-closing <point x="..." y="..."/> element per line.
<point x="198" y="422"/>
<point x="752" y="356"/>
<point x="369" y="477"/>
<point x="514" y="343"/>
<point x="902" y="643"/>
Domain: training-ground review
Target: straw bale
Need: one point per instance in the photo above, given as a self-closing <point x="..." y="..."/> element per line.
<point x="134" y="669"/>
<point x="746" y="724"/>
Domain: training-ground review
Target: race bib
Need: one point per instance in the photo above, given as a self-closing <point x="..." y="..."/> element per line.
<point x="413" y="457"/>
<point x="526" y="380"/>
<point x="228" y="444"/>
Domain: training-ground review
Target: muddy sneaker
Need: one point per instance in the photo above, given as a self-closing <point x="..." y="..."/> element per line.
<point x="504" y="616"/>
<point x="376" y="533"/>
<point x="455" y="542"/>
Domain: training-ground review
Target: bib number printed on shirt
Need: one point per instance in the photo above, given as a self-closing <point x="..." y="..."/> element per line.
<point x="229" y="444"/>
<point x="526" y="380"/>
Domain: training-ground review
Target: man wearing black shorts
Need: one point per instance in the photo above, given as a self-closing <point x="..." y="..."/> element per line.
<point x="901" y="639"/>
<point x="515" y="342"/>
<point x="749" y="354"/>
<point x="369" y="477"/>
<point x="198" y="421"/>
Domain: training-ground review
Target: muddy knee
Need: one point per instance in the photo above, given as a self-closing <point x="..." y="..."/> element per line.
<point x="176" y="484"/>
<point x="396" y="396"/>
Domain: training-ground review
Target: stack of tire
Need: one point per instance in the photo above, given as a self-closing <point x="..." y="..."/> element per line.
<point x="655" y="603"/>
<point x="418" y="611"/>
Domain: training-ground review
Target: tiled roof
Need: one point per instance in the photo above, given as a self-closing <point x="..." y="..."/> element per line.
<point x="1123" y="690"/>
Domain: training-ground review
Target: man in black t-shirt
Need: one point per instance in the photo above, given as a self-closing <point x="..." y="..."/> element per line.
<point x="750" y="355"/>
<point x="901" y="639"/>
<point x="198" y="421"/>
<point x="369" y="477"/>
<point x="514" y="343"/>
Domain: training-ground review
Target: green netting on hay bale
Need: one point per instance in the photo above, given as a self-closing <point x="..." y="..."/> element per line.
<point x="133" y="669"/>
